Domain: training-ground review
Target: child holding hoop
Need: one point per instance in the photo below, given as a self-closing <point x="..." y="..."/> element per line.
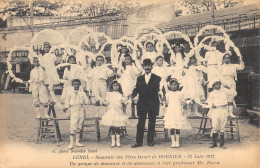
<point x="99" y="75"/>
<point x="150" y="51"/>
<point x="228" y="73"/>
<point x="192" y="84"/>
<point x="160" y="70"/>
<point x="176" y="70"/>
<point x="174" y="118"/>
<point x="114" y="117"/>
<point x="213" y="60"/>
<point x="70" y="72"/>
<point x="128" y="76"/>
<point x="48" y="61"/>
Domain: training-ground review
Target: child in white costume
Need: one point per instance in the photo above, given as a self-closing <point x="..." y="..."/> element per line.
<point x="114" y="117"/>
<point x="150" y="51"/>
<point x="75" y="100"/>
<point x="87" y="85"/>
<point x="39" y="89"/>
<point x="161" y="71"/>
<point x="218" y="104"/>
<point x="174" y="117"/>
<point x="99" y="75"/>
<point x="192" y="84"/>
<point x="178" y="62"/>
<point x="48" y="62"/>
<point x="213" y="60"/>
<point x="128" y="75"/>
<point x="71" y="72"/>
<point x="228" y="74"/>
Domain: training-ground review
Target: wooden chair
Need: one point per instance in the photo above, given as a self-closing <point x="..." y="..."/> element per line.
<point x="88" y="125"/>
<point x="48" y="126"/>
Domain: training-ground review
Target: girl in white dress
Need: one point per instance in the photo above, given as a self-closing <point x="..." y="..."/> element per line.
<point x="192" y="84"/>
<point x="128" y="76"/>
<point x="228" y="74"/>
<point x="99" y="75"/>
<point x="176" y="70"/>
<point x="72" y="71"/>
<point x="48" y="63"/>
<point x="218" y="104"/>
<point x="114" y="117"/>
<point x="213" y="60"/>
<point x="160" y="70"/>
<point x="174" y="117"/>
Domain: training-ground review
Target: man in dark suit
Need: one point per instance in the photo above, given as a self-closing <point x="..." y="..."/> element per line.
<point x="147" y="87"/>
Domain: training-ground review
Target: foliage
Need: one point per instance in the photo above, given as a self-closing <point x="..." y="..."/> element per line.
<point x="198" y="6"/>
<point x="67" y="8"/>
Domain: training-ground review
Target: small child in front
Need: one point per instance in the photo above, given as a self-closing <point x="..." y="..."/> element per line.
<point x="175" y="120"/>
<point x="218" y="104"/>
<point x="75" y="100"/>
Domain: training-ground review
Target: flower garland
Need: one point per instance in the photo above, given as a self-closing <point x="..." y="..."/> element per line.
<point x="82" y="30"/>
<point x="136" y="34"/>
<point x="228" y="43"/>
<point x="209" y="27"/>
<point x="9" y="64"/>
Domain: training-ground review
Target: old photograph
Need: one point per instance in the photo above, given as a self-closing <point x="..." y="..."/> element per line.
<point x="129" y="83"/>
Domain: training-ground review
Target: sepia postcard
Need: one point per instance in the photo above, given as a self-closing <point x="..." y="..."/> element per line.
<point x="86" y="29"/>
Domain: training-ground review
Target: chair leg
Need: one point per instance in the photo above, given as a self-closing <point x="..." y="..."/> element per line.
<point x="231" y="129"/>
<point x="204" y="127"/>
<point x="97" y="129"/>
<point x="55" y="131"/>
<point x="237" y="130"/>
<point x="109" y="132"/>
<point x="258" y="121"/>
<point x="38" y="131"/>
<point x="125" y="131"/>
<point x="166" y="134"/>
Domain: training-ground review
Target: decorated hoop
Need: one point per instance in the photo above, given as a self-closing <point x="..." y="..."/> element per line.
<point x="228" y="43"/>
<point x="76" y="35"/>
<point x="53" y="37"/>
<point x="154" y="29"/>
<point x="87" y="43"/>
<point x="9" y="65"/>
<point x="178" y="34"/>
<point x="209" y="27"/>
<point x="68" y="49"/>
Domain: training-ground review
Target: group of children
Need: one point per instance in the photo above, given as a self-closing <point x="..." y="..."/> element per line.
<point x="181" y="84"/>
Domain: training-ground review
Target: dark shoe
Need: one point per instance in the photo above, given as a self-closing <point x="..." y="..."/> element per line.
<point x="213" y="146"/>
<point x="97" y="103"/>
<point x="133" y="117"/>
<point x="136" y="145"/>
<point x="215" y="135"/>
<point x="150" y="144"/>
